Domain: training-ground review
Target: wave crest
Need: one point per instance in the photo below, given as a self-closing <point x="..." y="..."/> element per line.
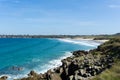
<point x="91" y="43"/>
<point x="53" y="63"/>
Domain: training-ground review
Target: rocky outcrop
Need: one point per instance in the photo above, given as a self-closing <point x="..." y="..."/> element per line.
<point x="49" y="75"/>
<point x="75" y="68"/>
<point x="83" y="65"/>
<point x="3" y="78"/>
<point x="80" y="53"/>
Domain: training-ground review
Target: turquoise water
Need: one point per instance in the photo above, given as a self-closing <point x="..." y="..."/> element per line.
<point x="36" y="54"/>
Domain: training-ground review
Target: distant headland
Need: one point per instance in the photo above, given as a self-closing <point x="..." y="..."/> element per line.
<point x="103" y="36"/>
<point x="97" y="64"/>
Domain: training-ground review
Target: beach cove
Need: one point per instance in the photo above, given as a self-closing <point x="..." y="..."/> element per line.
<point x="86" y="65"/>
<point x="60" y="49"/>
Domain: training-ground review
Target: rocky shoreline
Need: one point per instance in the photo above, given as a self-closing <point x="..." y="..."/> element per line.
<point x="83" y="65"/>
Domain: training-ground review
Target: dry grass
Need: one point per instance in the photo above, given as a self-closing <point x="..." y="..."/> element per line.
<point x="110" y="74"/>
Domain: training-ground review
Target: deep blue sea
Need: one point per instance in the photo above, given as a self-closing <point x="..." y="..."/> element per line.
<point x="36" y="54"/>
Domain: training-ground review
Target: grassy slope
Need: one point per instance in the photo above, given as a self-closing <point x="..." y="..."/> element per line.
<point x="110" y="74"/>
<point x="113" y="48"/>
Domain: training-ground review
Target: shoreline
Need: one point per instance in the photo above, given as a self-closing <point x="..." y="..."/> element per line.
<point x="82" y="41"/>
<point x="71" y="53"/>
<point x="49" y="65"/>
<point x="72" y="63"/>
<point x="88" y="39"/>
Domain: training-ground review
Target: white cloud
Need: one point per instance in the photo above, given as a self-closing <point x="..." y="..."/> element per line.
<point x="114" y="6"/>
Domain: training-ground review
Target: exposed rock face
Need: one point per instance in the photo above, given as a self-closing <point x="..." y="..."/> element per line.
<point x="3" y="78"/>
<point x="32" y="73"/>
<point x="83" y="65"/>
<point x="80" y="53"/>
<point x="49" y="75"/>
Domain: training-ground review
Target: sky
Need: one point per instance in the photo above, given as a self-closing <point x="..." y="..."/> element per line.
<point x="59" y="17"/>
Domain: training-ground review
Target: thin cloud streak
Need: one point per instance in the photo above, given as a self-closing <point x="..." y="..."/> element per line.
<point x="114" y="6"/>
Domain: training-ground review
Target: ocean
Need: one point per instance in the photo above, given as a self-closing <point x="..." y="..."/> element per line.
<point x="38" y="54"/>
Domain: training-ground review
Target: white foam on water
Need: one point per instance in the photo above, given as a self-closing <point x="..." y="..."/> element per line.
<point x="36" y="60"/>
<point x="81" y="42"/>
<point x="17" y="76"/>
<point x="12" y="77"/>
<point x="41" y="68"/>
<point x="53" y="63"/>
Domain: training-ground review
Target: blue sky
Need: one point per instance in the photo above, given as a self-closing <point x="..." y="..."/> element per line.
<point x="59" y="16"/>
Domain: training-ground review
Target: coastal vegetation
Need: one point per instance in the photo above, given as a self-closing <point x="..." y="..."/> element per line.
<point x="110" y="74"/>
<point x="101" y="63"/>
<point x="111" y="48"/>
<point x="95" y="37"/>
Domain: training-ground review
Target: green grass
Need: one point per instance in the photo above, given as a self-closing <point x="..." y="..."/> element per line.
<point x="110" y="74"/>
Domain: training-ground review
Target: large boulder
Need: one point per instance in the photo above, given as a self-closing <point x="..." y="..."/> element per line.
<point x="79" y="53"/>
<point x="65" y="63"/>
<point x="58" y="69"/>
<point x="3" y="78"/>
<point x="32" y="73"/>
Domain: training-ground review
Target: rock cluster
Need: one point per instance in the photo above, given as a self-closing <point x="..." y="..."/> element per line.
<point x="3" y="78"/>
<point x="82" y="66"/>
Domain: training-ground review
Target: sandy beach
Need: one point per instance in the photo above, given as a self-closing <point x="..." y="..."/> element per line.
<point x="87" y="39"/>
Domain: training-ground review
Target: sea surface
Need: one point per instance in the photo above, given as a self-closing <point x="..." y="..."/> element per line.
<point x="36" y="54"/>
